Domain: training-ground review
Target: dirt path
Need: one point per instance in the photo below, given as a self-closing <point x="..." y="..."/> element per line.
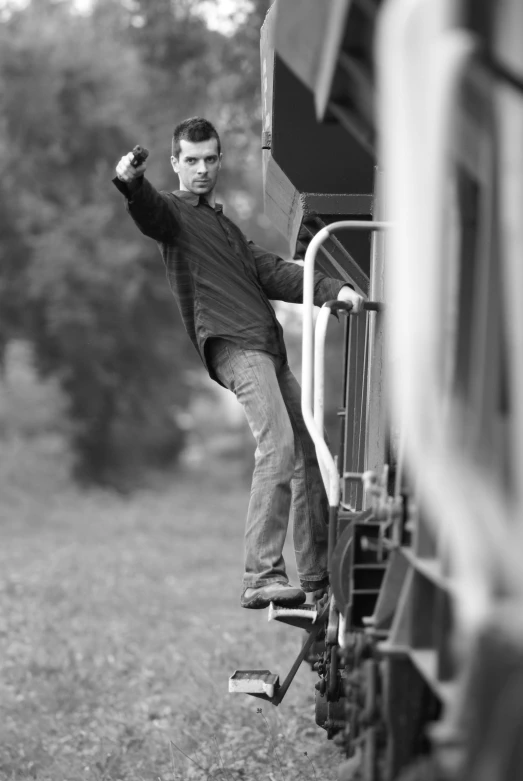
<point x="119" y="626"/>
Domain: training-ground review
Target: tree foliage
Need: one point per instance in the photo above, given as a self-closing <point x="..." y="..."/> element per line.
<point x="76" y="278"/>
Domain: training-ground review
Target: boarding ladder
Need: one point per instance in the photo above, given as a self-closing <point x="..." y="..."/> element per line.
<point x="321" y="621"/>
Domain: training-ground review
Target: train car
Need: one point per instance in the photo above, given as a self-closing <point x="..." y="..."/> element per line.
<point x="393" y="158"/>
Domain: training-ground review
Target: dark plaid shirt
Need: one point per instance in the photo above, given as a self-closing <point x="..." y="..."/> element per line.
<point x="222" y="282"/>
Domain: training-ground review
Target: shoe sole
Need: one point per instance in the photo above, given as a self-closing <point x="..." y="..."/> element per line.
<point x="258" y="602"/>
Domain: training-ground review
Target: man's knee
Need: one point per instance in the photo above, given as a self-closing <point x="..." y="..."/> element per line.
<point x="279" y="451"/>
<point x="285" y="447"/>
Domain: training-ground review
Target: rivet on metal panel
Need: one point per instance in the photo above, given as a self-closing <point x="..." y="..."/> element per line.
<point x="266" y="139"/>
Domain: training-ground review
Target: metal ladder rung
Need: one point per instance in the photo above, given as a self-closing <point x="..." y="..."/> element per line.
<point x="260" y="682"/>
<point x="303" y="616"/>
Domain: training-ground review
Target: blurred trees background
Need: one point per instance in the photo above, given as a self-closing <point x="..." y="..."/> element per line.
<point x="77" y="281"/>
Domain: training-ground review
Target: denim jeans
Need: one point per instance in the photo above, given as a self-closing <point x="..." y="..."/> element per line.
<point x="286" y="468"/>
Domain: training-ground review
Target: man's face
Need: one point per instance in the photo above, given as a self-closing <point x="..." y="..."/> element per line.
<point x="197" y="165"/>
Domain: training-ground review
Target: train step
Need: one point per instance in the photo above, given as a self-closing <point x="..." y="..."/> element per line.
<point x="259" y="683"/>
<point x="303" y="617"/>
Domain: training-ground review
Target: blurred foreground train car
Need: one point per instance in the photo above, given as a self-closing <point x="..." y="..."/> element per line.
<point x="393" y="158"/>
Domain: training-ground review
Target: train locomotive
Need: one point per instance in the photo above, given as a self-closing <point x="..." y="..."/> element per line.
<point x="393" y="158"/>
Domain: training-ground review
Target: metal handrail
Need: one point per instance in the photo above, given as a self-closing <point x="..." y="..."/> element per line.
<point x="326" y="461"/>
<point x="320" y="334"/>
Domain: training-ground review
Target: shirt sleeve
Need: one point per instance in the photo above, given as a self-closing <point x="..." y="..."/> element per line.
<point x="282" y="280"/>
<point x="154" y="212"/>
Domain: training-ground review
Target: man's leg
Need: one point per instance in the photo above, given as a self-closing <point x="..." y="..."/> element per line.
<point x="309" y="499"/>
<point x="252" y="376"/>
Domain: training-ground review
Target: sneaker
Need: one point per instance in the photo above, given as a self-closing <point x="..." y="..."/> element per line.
<point x="279" y="593"/>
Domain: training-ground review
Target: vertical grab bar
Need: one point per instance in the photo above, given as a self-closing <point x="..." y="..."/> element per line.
<point x="313" y="416"/>
<point x="319" y="405"/>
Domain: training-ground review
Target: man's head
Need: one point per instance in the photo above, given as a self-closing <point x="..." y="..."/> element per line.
<point x="196" y="155"/>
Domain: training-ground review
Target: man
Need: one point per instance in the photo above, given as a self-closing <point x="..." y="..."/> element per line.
<point x="222" y="284"/>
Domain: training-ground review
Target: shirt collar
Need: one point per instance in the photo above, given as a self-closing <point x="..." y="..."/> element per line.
<point x="196" y="200"/>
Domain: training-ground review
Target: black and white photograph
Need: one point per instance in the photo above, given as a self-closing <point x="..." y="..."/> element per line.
<point x="261" y="390"/>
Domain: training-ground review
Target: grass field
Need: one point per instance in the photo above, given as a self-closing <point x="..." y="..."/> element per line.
<point x="119" y="626"/>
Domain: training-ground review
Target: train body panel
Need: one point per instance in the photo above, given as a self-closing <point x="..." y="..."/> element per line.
<point x="411" y="112"/>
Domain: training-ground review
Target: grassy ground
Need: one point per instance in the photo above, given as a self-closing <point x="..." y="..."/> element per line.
<point x="120" y="625"/>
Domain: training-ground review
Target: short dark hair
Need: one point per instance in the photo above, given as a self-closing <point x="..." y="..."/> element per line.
<point x="194" y="129"/>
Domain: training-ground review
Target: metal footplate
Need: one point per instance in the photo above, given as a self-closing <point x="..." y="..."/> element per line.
<point x="266" y="685"/>
<point x="304" y="616"/>
<point x="258" y="683"/>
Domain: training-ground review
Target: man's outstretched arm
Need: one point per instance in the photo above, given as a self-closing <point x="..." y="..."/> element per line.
<point x="282" y="280"/>
<point x="153" y="212"/>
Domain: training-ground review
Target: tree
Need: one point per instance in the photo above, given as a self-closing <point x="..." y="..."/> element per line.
<point x="94" y="297"/>
<point x="77" y="278"/>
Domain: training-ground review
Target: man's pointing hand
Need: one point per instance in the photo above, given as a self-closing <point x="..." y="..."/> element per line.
<point x="125" y="170"/>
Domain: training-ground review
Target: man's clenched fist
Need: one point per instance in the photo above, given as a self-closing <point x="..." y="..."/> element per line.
<point x="348" y="294"/>
<point x="126" y="172"/>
